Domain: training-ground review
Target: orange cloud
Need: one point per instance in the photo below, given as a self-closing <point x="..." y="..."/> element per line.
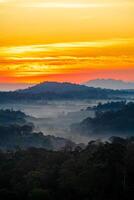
<point x="73" y="62"/>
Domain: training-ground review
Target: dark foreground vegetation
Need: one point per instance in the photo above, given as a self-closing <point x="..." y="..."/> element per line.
<point x="103" y="171"/>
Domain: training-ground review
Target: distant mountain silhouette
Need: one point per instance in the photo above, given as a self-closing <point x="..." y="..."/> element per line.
<point x="110" y="84"/>
<point x="14" y="86"/>
<point x="55" y="87"/>
<point x="62" y="91"/>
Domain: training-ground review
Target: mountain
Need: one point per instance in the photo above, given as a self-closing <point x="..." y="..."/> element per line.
<point x="110" y="84"/>
<point x="62" y="91"/>
<point x="54" y="91"/>
<point x="14" y="86"/>
<point x="55" y="87"/>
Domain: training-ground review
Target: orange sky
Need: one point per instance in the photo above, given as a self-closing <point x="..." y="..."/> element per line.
<point x="63" y="40"/>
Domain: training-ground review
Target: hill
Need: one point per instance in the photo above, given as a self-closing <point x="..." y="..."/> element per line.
<point x="62" y="91"/>
<point x="117" y="122"/>
<point x="54" y="91"/>
<point x="110" y="84"/>
<point x="17" y="132"/>
<point x="56" y="87"/>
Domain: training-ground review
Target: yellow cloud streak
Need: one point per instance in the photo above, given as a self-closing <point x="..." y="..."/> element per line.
<point x="57" y="58"/>
<point x="72" y="45"/>
<point x="66" y="5"/>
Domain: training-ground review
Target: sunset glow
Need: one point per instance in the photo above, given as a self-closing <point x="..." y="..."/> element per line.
<point x="66" y="40"/>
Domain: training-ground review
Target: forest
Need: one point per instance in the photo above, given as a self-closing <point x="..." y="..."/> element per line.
<point x="115" y="118"/>
<point x="102" y="171"/>
<point x="17" y="132"/>
<point x="34" y="166"/>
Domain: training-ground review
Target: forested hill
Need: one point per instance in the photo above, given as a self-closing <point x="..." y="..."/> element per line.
<point x="53" y="91"/>
<point x="61" y="91"/>
<point x="17" y="132"/>
<point x="8" y="117"/>
<point x="56" y="87"/>
<point x="118" y="121"/>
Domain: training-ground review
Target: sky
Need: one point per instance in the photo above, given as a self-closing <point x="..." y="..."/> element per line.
<point x="64" y="40"/>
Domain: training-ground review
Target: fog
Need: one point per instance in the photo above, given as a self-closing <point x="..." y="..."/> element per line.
<point x="56" y="117"/>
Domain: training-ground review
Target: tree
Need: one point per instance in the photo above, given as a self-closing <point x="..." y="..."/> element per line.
<point x="39" y="194"/>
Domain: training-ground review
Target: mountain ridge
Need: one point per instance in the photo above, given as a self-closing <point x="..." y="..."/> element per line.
<point x="14" y="86"/>
<point x="110" y="84"/>
<point x="57" y="87"/>
<point x="62" y="91"/>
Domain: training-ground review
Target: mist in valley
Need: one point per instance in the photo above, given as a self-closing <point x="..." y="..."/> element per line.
<point x="56" y="117"/>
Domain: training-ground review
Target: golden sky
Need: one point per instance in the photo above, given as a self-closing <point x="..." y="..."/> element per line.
<point x="64" y="40"/>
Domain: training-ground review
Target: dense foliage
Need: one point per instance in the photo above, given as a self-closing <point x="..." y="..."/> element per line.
<point x="103" y="171"/>
<point x="109" y="106"/>
<point x="17" y="132"/>
<point x="116" y="121"/>
<point x="12" y="117"/>
<point x="16" y="136"/>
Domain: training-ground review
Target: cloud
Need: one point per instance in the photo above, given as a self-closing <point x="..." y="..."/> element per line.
<point x="66" y="46"/>
<point x="56" y="4"/>
<point x="66" y="5"/>
<point x="3" y="1"/>
<point x="67" y="58"/>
